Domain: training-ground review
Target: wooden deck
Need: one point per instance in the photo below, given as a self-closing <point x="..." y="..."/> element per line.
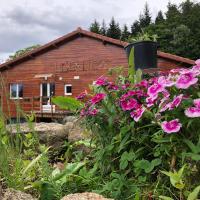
<point x="37" y="106"/>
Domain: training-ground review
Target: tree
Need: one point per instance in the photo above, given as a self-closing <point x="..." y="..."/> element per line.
<point x="172" y="15"/>
<point x="145" y="18"/>
<point x="125" y="33"/>
<point x="95" y="27"/>
<point x="159" y="18"/>
<point x="181" y="40"/>
<point x="135" y="28"/>
<point x="103" y="28"/>
<point x="23" y="51"/>
<point x="114" y="29"/>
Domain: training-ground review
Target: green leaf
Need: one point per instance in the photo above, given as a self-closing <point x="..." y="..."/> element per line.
<point x="138" y="76"/>
<point x="34" y="161"/>
<point x="156" y="162"/>
<point x="194" y="194"/>
<point x="67" y="103"/>
<point x="165" y="198"/>
<point x="131" y="70"/>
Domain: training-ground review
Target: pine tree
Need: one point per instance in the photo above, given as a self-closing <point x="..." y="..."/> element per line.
<point x="103" y="28"/>
<point x="145" y="18"/>
<point x="135" y="28"/>
<point x="173" y="15"/>
<point x="125" y="33"/>
<point x="95" y="27"/>
<point x="114" y="30"/>
<point x="159" y="18"/>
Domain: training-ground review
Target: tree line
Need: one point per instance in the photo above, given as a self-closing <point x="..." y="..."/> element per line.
<point x="178" y="29"/>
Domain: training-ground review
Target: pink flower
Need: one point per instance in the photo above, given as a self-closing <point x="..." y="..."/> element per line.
<point x="101" y="81"/>
<point x="82" y="95"/>
<point x="150" y="102"/>
<point x="97" y="98"/>
<point x="143" y="83"/>
<point x="192" y="112"/>
<point x="112" y="86"/>
<point x="197" y="103"/>
<point x="186" y="80"/>
<point x="154" y="90"/>
<point x="137" y="114"/>
<point x="166" y="82"/>
<point x="176" y="102"/>
<point x="129" y="104"/>
<point x="165" y="93"/>
<point x="93" y="111"/>
<point x="196" y="70"/>
<point x="197" y="62"/>
<point x="172" y="126"/>
<point x="177" y="70"/>
<point x="163" y="106"/>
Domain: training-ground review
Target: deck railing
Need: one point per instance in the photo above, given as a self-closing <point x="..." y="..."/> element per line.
<point x="42" y="106"/>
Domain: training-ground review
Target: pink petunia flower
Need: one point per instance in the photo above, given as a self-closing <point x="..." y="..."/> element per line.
<point x="97" y="98"/>
<point x="192" y="112"/>
<point x="176" y="102"/>
<point x="172" y="126"/>
<point x="129" y="104"/>
<point x="154" y="90"/>
<point x="137" y="114"/>
<point x="197" y="103"/>
<point x="101" y="81"/>
<point x="186" y="80"/>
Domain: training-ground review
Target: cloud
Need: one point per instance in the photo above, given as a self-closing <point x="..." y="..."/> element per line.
<point x="28" y="22"/>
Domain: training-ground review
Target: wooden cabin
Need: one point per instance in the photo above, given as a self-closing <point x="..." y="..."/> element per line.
<point x="64" y="67"/>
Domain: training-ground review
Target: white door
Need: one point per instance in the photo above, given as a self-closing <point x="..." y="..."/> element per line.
<point x="47" y="90"/>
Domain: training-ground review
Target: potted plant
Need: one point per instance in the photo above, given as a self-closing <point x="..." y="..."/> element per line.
<point x="145" y="50"/>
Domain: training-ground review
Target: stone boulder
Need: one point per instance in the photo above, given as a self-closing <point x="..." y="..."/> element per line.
<point x="11" y="194"/>
<point x="51" y="134"/>
<point x="84" y="196"/>
<point x="69" y="119"/>
<point x="77" y="131"/>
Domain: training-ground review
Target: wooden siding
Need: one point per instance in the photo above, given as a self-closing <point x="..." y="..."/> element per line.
<point x="83" y="56"/>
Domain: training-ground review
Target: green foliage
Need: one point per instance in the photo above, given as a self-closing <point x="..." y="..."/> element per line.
<point x="114" y="30"/>
<point x="125" y="33"/>
<point x="176" y="178"/>
<point x="23" y="51"/>
<point x="176" y="30"/>
<point x="95" y="27"/>
<point x="67" y="103"/>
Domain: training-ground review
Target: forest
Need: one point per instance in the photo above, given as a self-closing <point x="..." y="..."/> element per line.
<point x="177" y="30"/>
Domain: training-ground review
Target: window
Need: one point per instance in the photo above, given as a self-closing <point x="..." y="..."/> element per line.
<point x="68" y="89"/>
<point x="16" y="91"/>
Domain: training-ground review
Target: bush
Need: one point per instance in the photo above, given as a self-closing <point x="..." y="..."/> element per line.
<point x="143" y="127"/>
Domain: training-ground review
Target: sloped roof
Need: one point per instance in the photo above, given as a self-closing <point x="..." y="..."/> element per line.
<point x="78" y="32"/>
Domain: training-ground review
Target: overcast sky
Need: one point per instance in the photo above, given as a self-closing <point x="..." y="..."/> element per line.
<point x="27" y="22"/>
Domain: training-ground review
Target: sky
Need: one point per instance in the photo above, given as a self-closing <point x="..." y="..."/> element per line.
<point x="28" y="22"/>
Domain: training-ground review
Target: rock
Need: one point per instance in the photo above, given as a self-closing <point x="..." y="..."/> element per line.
<point x="77" y="131"/>
<point x="84" y="196"/>
<point x="69" y="119"/>
<point x="51" y="134"/>
<point x="11" y="194"/>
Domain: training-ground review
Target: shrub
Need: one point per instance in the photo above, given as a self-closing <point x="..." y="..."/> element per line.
<point x="143" y="127"/>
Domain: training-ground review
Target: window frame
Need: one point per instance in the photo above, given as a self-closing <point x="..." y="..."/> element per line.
<point x="17" y="91"/>
<point x="65" y="89"/>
